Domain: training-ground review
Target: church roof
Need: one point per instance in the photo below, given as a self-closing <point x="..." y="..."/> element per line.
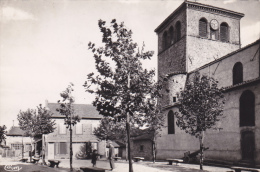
<point x="15" y="131"/>
<point x="199" y="6"/>
<point x="82" y="110"/>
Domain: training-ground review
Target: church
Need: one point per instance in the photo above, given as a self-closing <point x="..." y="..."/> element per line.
<point x="199" y="37"/>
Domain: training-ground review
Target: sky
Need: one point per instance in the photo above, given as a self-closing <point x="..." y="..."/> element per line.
<point x="43" y="43"/>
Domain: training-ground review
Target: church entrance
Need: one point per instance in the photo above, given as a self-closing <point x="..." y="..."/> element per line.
<point x="247" y="145"/>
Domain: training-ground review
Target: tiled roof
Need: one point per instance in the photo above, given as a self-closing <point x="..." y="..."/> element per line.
<point x="148" y="136"/>
<point x="15" y="131"/>
<point x="82" y="110"/>
<point x="243" y="83"/>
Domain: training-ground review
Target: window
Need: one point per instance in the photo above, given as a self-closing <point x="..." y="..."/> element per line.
<point x="224" y="32"/>
<point x="63" y="148"/>
<point x="17" y="146"/>
<point x="237" y="73"/>
<point x="141" y="148"/>
<point x="178" y="30"/>
<point x="247" y="109"/>
<point x="79" y="128"/>
<point x="171" y="35"/>
<point x="62" y="129"/>
<point x="203" y="27"/>
<point x="173" y="99"/>
<point x="171" y="123"/>
<point x="165" y="40"/>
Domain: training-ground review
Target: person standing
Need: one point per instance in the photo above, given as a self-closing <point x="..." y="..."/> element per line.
<point x="111" y="155"/>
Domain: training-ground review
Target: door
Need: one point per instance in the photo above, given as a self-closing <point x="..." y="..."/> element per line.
<point x="248" y="145"/>
<point x="50" y="150"/>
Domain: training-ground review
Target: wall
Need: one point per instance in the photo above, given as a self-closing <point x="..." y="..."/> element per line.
<point x="200" y="50"/>
<point x="147" y="149"/>
<point x="224" y="144"/>
<point x="172" y="58"/>
<point x="78" y="140"/>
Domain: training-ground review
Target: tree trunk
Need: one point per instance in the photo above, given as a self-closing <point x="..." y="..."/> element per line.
<point x="71" y="152"/>
<point x="128" y="140"/>
<point x="201" y="138"/>
<point x="126" y="151"/>
<point x="154" y="149"/>
<point x="43" y="149"/>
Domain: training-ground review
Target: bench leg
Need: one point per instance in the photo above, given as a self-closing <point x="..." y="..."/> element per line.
<point x="170" y="162"/>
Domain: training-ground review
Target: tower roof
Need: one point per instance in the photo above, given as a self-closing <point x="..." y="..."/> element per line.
<point x="202" y="7"/>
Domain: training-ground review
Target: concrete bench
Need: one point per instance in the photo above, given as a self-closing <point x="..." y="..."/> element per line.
<point x="35" y="160"/>
<point x="92" y="169"/>
<point x="117" y="158"/>
<point x="174" y="160"/>
<point x="54" y="162"/>
<point x="136" y="159"/>
<point x="24" y="159"/>
<point x="239" y="169"/>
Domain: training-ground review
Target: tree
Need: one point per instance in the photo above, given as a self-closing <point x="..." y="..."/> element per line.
<point x="67" y="109"/>
<point x="154" y="126"/>
<point x="2" y="133"/>
<point x="110" y="130"/>
<point x="37" y="122"/>
<point x="124" y="88"/>
<point x="201" y="106"/>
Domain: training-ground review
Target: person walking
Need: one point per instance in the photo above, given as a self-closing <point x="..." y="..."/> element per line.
<point x="94" y="157"/>
<point x="111" y="155"/>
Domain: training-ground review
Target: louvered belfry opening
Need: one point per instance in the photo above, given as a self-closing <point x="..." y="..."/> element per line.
<point x="165" y="37"/>
<point x="178" y="31"/>
<point x="224" y="32"/>
<point x="203" y="27"/>
<point x="171" y="35"/>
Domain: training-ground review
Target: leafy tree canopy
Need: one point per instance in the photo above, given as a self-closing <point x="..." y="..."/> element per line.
<point x="2" y="133"/>
<point x="122" y="85"/>
<point x="201" y="105"/>
<point x="66" y="106"/>
<point x="36" y="122"/>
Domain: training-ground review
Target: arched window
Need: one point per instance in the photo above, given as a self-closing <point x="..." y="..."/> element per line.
<point x="247" y="109"/>
<point x="203" y="27"/>
<point x="224" y="32"/>
<point x="178" y="30"/>
<point x="165" y="37"/>
<point x="171" y="123"/>
<point x="237" y="73"/>
<point x="171" y="35"/>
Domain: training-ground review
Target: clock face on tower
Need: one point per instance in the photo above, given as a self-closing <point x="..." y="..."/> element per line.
<point x="214" y="24"/>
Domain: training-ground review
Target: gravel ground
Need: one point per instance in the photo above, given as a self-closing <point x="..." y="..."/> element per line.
<point x="121" y="166"/>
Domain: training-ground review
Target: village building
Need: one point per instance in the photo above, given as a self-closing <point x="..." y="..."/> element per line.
<point x="204" y="38"/>
<point x="84" y="141"/>
<point x="17" y="142"/>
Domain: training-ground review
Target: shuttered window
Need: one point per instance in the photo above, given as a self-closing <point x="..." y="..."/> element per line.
<point x="203" y="27"/>
<point x="63" y="148"/>
<point x="62" y="129"/>
<point x="79" y="128"/>
<point x="224" y="32"/>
